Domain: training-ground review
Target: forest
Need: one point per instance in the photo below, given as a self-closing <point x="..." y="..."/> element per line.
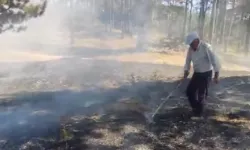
<point x="89" y="74"/>
<point x="223" y="23"/>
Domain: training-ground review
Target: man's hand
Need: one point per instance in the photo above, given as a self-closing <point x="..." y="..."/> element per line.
<point x="216" y="78"/>
<point x="186" y="73"/>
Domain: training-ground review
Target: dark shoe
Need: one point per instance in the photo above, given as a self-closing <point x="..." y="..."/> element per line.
<point x="200" y="108"/>
<point x="197" y="112"/>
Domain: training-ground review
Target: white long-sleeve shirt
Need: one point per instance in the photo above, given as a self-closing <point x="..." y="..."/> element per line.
<point x="203" y="59"/>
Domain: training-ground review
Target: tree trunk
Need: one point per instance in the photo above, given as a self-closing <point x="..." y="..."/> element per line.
<point x="221" y="20"/>
<point x="122" y="18"/>
<point x="129" y="16"/>
<point x="217" y="30"/>
<point x="127" y="12"/>
<point x="232" y="18"/>
<point x="224" y="35"/>
<point x="212" y="21"/>
<point x="110" y="10"/>
<point x="231" y="25"/>
<point x="190" y="16"/>
<point x="71" y="34"/>
<point x="202" y="16"/>
<point x="105" y="14"/>
<point x="93" y="10"/>
<point x="111" y="19"/>
<point x="185" y="20"/>
<point x="247" y="11"/>
<point x="240" y="31"/>
<point x="247" y="40"/>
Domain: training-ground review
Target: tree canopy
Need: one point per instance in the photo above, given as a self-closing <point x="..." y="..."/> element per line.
<point x="217" y="21"/>
<point x="13" y="13"/>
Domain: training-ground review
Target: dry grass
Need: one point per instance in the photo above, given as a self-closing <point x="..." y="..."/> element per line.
<point x="222" y="118"/>
<point x="20" y="56"/>
<point x="175" y="58"/>
<point x="154" y="58"/>
<point x="129" y="104"/>
<point x="108" y="138"/>
<point x="108" y="43"/>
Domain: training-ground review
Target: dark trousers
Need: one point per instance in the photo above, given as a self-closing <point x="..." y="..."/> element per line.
<point x="197" y="90"/>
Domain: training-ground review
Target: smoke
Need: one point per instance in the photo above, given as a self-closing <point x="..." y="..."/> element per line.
<point x="40" y="64"/>
<point x="29" y="64"/>
<point x="63" y="62"/>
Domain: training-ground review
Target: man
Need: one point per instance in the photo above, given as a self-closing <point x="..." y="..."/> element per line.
<point x="204" y="61"/>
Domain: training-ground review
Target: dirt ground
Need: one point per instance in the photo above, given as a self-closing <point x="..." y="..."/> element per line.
<point x="101" y="97"/>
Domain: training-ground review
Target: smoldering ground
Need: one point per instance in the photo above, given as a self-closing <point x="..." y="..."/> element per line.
<point x="113" y="118"/>
<point x="58" y="96"/>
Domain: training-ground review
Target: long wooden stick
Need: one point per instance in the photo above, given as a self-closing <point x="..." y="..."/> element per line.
<point x="162" y="104"/>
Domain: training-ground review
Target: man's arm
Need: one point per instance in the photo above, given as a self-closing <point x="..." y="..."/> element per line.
<point x="215" y="62"/>
<point x="187" y="64"/>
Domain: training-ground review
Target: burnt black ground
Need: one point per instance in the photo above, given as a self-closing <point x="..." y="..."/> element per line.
<point x="83" y="97"/>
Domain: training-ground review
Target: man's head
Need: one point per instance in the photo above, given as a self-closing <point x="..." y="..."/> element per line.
<point x="194" y="45"/>
<point x="193" y="40"/>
